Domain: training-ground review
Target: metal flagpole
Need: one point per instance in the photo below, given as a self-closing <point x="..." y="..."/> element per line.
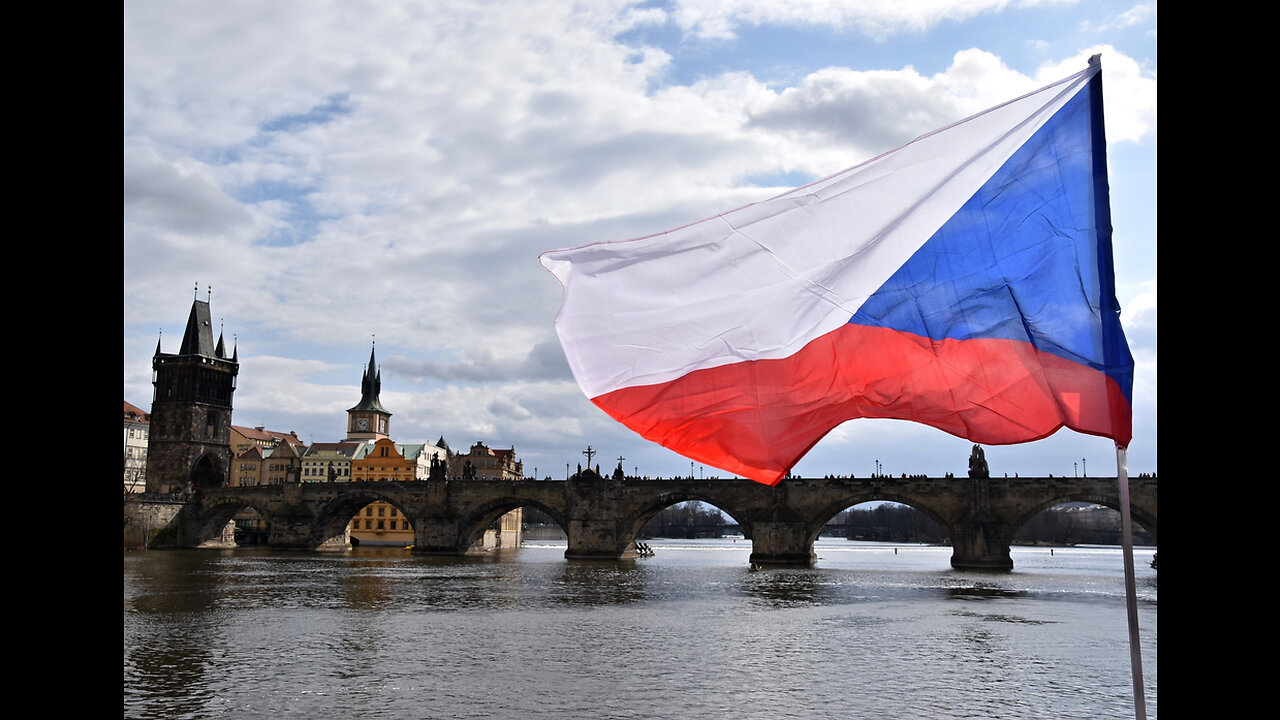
<point x="1130" y="588"/>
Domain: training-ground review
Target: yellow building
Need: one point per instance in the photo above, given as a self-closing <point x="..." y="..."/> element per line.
<point x="381" y="523"/>
<point x="246" y="469"/>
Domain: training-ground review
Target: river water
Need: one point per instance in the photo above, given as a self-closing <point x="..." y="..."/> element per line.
<point x="873" y="630"/>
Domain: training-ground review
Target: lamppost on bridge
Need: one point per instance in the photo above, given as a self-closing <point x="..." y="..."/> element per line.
<point x="566" y="472"/>
<point x="1084" y="469"/>
<point x="1075" y="468"/>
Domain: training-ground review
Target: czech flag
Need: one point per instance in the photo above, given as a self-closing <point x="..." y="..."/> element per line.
<point x="963" y="281"/>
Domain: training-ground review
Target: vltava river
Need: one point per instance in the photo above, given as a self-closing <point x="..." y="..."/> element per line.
<point x="694" y="632"/>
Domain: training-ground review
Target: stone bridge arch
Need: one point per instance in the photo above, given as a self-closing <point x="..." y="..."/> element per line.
<point x="204" y="524"/>
<point x="637" y="517"/>
<point x="471" y="527"/>
<point x="824" y="516"/>
<point x="332" y="518"/>
<point x="1139" y="515"/>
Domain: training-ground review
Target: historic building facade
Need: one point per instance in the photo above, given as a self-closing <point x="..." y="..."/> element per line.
<point x="485" y="463"/>
<point x="270" y="466"/>
<point x="331" y="462"/>
<point x="137" y="426"/>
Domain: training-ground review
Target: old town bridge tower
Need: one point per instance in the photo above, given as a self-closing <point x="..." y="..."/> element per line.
<point x="189" y="445"/>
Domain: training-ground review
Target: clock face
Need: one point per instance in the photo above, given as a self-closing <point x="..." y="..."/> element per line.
<point x="362" y="424"/>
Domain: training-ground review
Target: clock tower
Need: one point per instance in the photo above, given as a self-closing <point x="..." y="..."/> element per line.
<point x="369" y="420"/>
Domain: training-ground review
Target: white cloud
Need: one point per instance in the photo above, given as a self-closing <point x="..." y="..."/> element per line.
<point x="343" y="170"/>
<point x="182" y="195"/>
<point x="868" y="112"/>
<point x="719" y="19"/>
<point x="1140" y="14"/>
<point x="1129" y="92"/>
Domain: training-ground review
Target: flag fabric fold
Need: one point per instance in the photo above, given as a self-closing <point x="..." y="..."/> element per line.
<point x="963" y="281"/>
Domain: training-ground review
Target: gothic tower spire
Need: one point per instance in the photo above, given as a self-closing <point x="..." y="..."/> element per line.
<point x="369" y="419"/>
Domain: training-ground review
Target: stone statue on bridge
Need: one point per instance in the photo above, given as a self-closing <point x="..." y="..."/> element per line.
<point x="439" y="468"/>
<point x="978" y="463"/>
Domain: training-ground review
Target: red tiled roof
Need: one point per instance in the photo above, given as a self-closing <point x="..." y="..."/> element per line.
<point x="135" y="413"/>
<point x="274" y="436"/>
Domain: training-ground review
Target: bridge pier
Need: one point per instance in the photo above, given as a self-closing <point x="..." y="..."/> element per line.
<point x="290" y="531"/>
<point x="981" y="545"/>
<point x="338" y="543"/>
<point x="293" y="524"/>
<point x="781" y="543"/>
<point x="226" y="539"/>
<point x="598" y="540"/>
<point x="436" y="536"/>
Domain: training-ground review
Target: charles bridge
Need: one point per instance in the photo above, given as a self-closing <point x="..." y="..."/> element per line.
<point x="602" y="516"/>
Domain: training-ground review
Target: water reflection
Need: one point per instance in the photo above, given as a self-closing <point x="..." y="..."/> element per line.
<point x="590" y="582"/>
<point x="984" y="591"/>
<point x="785" y="588"/>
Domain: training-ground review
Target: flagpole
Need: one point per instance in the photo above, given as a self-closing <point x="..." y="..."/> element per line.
<point x="1130" y="588"/>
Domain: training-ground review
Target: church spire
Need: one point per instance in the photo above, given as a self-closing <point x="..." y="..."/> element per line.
<point x="197" y="339"/>
<point x="369" y="418"/>
<point x="373" y="375"/>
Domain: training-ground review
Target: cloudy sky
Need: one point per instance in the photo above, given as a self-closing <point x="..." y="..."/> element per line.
<point x="347" y="175"/>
